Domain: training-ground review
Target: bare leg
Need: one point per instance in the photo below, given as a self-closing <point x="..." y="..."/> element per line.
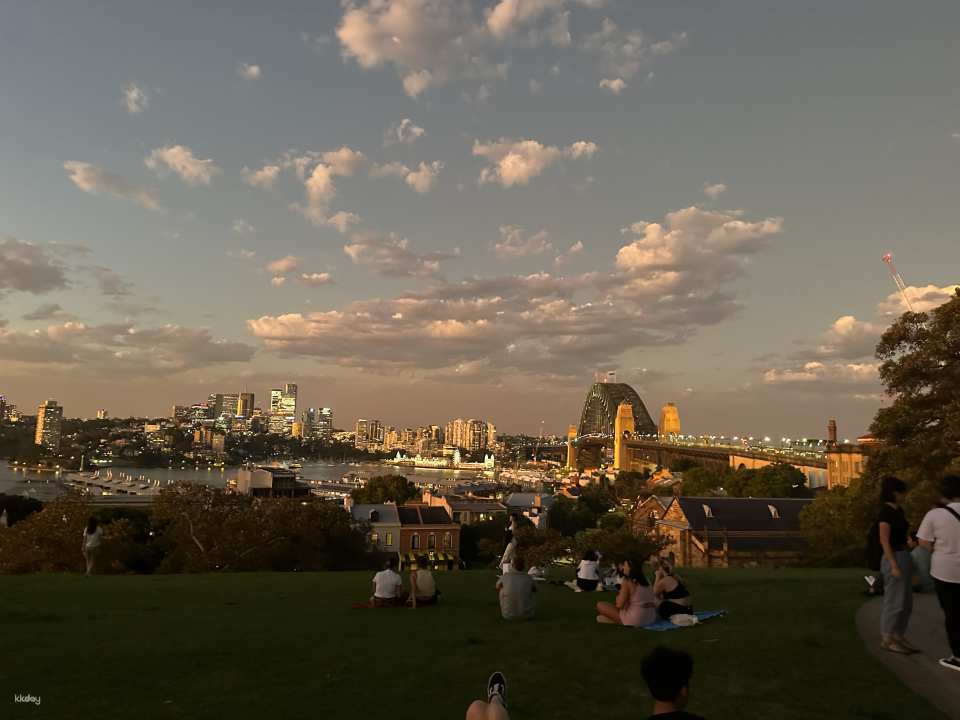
<point x="492" y="710"/>
<point x="609" y="611"/>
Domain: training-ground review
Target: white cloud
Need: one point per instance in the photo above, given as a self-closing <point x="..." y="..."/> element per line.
<point x="242" y="227"/>
<point x="424" y="177"/>
<point x="278" y="280"/>
<point x="614" y="85"/>
<point x="94" y="180"/>
<point x="391" y="255"/>
<point x="514" y="242"/>
<point x="315" y="279"/>
<point x="343" y="220"/>
<point x="345" y="161"/>
<point x="181" y="160"/>
<point x="923" y="299"/>
<point x="135" y="98"/>
<point x="283" y="265"/>
<point x="825" y="376"/>
<point x="623" y="52"/>
<point x="249" y="72"/>
<point x="405" y="132"/>
<point x="517" y="162"/>
<point x="714" y="190"/>
<point x="264" y="178"/>
<point x="572" y="252"/>
<point x="850" y="338"/>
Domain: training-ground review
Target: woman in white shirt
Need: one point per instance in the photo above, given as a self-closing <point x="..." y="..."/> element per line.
<point x="940" y="533"/>
<point x="423" y="588"/>
<point x="588" y="571"/>
<point x="90" y="546"/>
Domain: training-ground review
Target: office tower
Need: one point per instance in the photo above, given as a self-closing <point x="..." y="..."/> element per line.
<point x="288" y="401"/>
<point x="102" y="414"/>
<point x="214" y="404"/>
<point x="323" y="424"/>
<point x="476" y="435"/>
<point x="436" y="435"/>
<point x="229" y="404"/>
<point x="49" y="418"/>
<point x="245" y="405"/>
<point x="3" y="408"/>
<point x="276" y="394"/>
<point x="362" y="432"/>
<point x="491" y="435"/>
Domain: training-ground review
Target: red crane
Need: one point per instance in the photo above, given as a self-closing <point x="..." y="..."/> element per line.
<point x="901" y="286"/>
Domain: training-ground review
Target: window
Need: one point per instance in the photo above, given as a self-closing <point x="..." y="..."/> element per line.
<point x="415" y="542"/>
<point x="431" y="542"/>
<point x="374" y="538"/>
<point x="447" y="541"/>
<point x="388" y="542"/>
<point x="774" y="513"/>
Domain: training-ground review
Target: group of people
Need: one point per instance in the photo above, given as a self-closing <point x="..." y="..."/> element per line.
<point x="666" y="671"/>
<point x="389" y="590"/>
<point x="939" y="533"/>
<point x="639" y="603"/>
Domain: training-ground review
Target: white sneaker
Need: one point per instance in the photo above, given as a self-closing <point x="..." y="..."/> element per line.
<point x="952" y="662"/>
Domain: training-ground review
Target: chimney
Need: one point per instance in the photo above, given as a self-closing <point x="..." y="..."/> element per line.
<point x="832" y="432"/>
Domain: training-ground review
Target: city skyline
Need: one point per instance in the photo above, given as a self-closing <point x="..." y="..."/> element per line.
<point x="469" y="213"/>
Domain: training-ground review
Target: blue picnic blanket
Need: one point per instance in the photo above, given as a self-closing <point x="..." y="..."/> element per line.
<point x="664" y="625"/>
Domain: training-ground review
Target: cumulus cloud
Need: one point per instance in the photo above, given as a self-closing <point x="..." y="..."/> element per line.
<point x="26" y="267"/>
<point x="517" y="162"/>
<point x="342" y="221"/>
<point x="283" y="265"/>
<point x="263" y="178"/>
<point x="242" y="227"/>
<point x="850" y="338"/>
<point x="614" y="85"/>
<point x="714" y="190"/>
<point x="923" y="299"/>
<point x="422" y="179"/>
<point x="825" y="376"/>
<point x="404" y="132"/>
<point x="114" y="350"/>
<point x="550" y="326"/>
<point x="623" y="52"/>
<point x="181" y="160"/>
<point x="278" y="280"/>
<point x="515" y="242"/>
<point x="571" y="252"/>
<point x="315" y="279"/>
<point x="135" y="98"/>
<point x="249" y="72"/>
<point x="48" y="311"/>
<point x="94" y="180"/>
<point x="391" y="255"/>
<point x="345" y="161"/>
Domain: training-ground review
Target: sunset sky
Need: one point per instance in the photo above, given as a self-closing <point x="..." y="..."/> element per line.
<point x="424" y="209"/>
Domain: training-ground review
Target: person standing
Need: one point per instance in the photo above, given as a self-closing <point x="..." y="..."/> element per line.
<point x="90" y="545"/>
<point x="940" y="533"/>
<point x="516" y="590"/>
<point x="896" y="566"/>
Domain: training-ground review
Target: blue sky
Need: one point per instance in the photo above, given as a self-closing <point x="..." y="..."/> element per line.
<point x="155" y="159"/>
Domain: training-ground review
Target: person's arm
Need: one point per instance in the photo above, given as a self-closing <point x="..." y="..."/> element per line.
<point x="499" y="586"/>
<point x="884" y="528"/>
<point x="623" y="597"/>
<point x="373" y="589"/>
<point x="926" y="544"/>
<point x="925" y="534"/>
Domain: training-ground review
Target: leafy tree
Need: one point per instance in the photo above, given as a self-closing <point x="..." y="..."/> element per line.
<point x="482" y="541"/>
<point x="386" y="488"/>
<point x="700" y="481"/>
<point x="596" y="499"/>
<point x="779" y="480"/>
<point x="835" y="524"/>
<point x="682" y="464"/>
<point x="617" y="544"/>
<point x="629" y="484"/>
<point x="568" y="517"/>
<point x="18" y="507"/>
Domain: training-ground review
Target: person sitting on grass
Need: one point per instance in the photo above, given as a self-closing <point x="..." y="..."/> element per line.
<point x="671" y="592"/>
<point x="635" y="605"/>
<point x="667" y="673"/>
<point x="509" y="552"/>
<point x="388" y="587"/>
<point x="516" y="589"/>
<point x="588" y="572"/>
<point x="423" y="588"/>
<point x="495" y="708"/>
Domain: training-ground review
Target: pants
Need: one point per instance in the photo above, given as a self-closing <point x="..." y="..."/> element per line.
<point x="668" y="608"/>
<point x="587" y="585"/>
<point x="949" y="596"/>
<point x="897" y="595"/>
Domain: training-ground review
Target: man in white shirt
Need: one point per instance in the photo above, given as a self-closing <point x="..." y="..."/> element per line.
<point x="388" y="586"/>
<point x="940" y="533"/>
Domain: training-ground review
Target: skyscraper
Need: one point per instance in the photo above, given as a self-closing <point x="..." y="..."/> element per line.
<point x="229" y="404"/>
<point x="288" y="401"/>
<point x="102" y="414"/>
<point x="323" y="424"/>
<point x="49" y="418"/>
<point x="245" y="404"/>
<point x="275" y="396"/>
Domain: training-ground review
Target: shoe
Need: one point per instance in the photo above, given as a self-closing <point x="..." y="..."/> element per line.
<point x="497" y="686"/>
<point x="908" y="645"/>
<point x="951" y="662"/>
<point x="895" y="647"/>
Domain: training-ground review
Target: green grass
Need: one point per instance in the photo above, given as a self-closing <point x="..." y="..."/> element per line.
<point x="289" y="646"/>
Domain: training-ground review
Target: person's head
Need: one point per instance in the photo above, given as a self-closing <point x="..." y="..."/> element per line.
<point x="667" y="673"/>
<point x="423" y="563"/>
<point x="664" y="566"/>
<point x="950" y="487"/>
<point x="91" y="525"/>
<point x="590" y="556"/>
<point x="391" y="563"/>
<point x="519" y="564"/>
<point x="892" y="489"/>
<point x="633" y="570"/>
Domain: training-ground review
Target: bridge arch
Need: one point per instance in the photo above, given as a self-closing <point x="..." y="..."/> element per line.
<point x="600" y="410"/>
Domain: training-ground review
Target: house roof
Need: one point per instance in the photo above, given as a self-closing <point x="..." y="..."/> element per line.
<point x="423" y="515"/>
<point x="475" y="505"/>
<point x="387" y="512"/>
<point x="529" y="499"/>
<point x="743" y="513"/>
<point x="752" y="544"/>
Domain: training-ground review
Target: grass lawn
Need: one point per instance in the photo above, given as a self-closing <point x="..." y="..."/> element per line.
<point x="289" y="646"/>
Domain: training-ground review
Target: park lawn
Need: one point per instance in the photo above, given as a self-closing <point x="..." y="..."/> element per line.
<point x="288" y="645"/>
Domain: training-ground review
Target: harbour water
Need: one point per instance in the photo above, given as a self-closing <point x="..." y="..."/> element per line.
<point x="45" y="485"/>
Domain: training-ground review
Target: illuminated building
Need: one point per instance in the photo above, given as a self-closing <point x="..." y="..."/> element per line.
<point x="49" y="419"/>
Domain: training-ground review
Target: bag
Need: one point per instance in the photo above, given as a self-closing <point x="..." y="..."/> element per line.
<point x="874" y="551"/>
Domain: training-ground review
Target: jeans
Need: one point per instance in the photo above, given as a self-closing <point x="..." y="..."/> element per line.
<point x="897" y="595"/>
<point x="949" y="596"/>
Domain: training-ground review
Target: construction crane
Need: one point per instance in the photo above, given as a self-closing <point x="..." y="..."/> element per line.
<point x="898" y="281"/>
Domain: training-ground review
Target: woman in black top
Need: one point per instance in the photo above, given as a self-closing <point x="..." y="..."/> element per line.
<point x="672" y="594"/>
<point x="897" y="568"/>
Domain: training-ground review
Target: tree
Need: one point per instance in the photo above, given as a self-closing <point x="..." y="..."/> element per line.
<point x="629" y="484"/>
<point x="568" y="517"/>
<point x="835" y="524"/>
<point x="386" y="488"/>
<point x="778" y="480"/>
<point x="700" y="481"/>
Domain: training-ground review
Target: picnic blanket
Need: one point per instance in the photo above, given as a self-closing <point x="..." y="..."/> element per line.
<point x="702" y="616"/>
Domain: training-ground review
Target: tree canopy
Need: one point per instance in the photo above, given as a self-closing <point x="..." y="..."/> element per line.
<point x="386" y="488"/>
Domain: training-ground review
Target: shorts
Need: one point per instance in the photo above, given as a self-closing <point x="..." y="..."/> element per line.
<point x="587" y="585"/>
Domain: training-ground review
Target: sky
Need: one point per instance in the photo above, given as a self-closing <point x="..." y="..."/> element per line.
<point x="425" y="209"/>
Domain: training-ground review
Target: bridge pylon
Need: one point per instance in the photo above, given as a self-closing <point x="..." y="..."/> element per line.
<point x="624" y="428"/>
<point x="572" y="447"/>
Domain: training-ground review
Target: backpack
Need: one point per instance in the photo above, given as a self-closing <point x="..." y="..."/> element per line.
<point x="874" y="551"/>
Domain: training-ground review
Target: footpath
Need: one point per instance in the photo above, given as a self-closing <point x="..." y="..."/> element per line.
<point x="921" y="672"/>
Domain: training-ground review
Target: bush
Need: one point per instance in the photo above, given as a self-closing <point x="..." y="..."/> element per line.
<point x="18" y="507"/>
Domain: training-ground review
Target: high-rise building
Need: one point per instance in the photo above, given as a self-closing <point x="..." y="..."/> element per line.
<point x="3" y="408"/>
<point x="491" y="435"/>
<point x="245" y="403"/>
<point x="323" y="425"/>
<point x="229" y="404"/>
<point x="369" y="432"/>
<point x="669" y="421"/>
<point x="288" y="401"/>
<point x="102" y="414"/>
<point x="276" y="394"/>
<point x="49" y="418"/>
